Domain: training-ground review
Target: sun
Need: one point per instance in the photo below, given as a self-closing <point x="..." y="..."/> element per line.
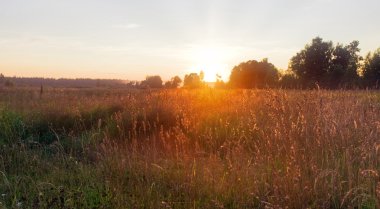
<point x="210" y="60"/>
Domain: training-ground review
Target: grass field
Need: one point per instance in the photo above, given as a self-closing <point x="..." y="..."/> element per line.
<point x="99" y="148"/>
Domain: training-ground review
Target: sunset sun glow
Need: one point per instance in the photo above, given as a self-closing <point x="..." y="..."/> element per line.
<point x="212" y="61"/>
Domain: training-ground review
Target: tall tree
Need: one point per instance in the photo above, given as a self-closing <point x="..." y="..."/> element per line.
<point x="311" y="64"/>
<point x="327" y="65"/>
<point x="344" y="65"/>
<point x="371" y="69"/>
<point x="152" y="82"/>
<point x="193" y="80"/>
<point x="174" y="82"/>
<point x="253" y="74"/>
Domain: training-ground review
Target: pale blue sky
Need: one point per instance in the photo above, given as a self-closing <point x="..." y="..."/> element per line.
<point x="131" y="39"/>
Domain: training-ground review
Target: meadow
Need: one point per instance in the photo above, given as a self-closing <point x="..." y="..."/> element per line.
<point x="207" y="148"/>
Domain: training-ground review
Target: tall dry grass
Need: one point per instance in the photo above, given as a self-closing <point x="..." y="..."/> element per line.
<point x="190" y="148"/>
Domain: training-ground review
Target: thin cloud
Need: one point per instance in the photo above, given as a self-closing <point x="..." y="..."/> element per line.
<point x="127" y="26"/>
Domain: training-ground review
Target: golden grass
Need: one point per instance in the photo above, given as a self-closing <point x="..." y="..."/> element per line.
<point x="198" y="148"/>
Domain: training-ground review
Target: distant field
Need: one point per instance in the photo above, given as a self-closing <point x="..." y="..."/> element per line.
<point x="100" y="148"/>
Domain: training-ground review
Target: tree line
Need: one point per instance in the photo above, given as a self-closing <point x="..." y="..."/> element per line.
<point x="61" y="82"/>
<point x="320" y="63"/>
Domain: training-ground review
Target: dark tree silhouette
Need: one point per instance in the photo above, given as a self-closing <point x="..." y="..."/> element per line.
<point x="311" y="64"/>
<point x="371" y="69"/>
<point x="289" y="80"/>
<point x="2" y="78"/>
<point x="152" y="82"/>
<point x="328" y="66"/>
<point x="193" y="80"/>
<point x="344" y="65"/>
<point x="175" y="82"/>
<point x="254" y="74"/>
<point x="65" y="82"/>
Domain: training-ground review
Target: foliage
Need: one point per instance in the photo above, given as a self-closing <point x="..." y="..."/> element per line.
<point x="175" y="82"/>
<point x="289" y="80"/>
<point x="253" y="74"/>
<point x="344" y="66"/>
<point x="193" y="80"/>
<point x="371" y="69"/>
<point x="152" y="82"/>
<point x="327" y="65"/>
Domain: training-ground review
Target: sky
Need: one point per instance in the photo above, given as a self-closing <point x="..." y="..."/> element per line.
<point x="125" y="39"/>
